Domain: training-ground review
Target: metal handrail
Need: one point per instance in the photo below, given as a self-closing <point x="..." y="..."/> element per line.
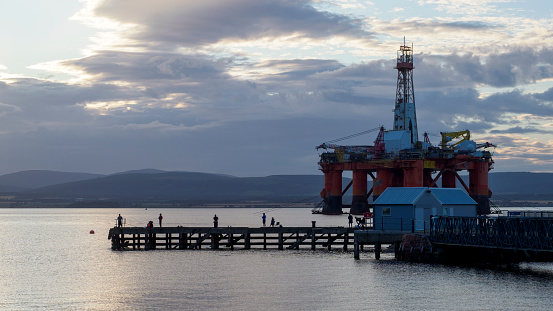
<point x="503" y="232"/>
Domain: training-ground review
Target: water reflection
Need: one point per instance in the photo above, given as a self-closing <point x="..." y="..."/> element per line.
<point x="50" y="261"/>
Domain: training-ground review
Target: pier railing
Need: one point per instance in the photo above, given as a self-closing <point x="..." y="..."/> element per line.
<point x="399" y="224"/>
<point x="138" y="238"/>
<point x="500" y="232"/>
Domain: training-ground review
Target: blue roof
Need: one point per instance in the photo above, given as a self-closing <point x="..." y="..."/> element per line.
<point x="452" y="196"/>
<point x="410" y="195"/>
<point x="400" y="195"/>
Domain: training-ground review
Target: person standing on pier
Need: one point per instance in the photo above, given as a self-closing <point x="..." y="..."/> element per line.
<point x="160" y="219"/>
<point x="272" y="221"/>
<point x="350" y="220"/>
<point x="215" y="221"/>
<point x="119" y="221"/>
<point x="264" y="219"/>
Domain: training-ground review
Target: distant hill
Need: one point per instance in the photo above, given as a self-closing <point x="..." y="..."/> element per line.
<point x="40" y="178"/>
<point x="522" y="183"/>
<point x="188" y="186"/>
<point x="142" y="171"/>
<point x="11" y="189"/>
<point x="151" y="184"/>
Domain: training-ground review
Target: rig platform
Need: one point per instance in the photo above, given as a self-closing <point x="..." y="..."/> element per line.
<point x="399" y="159"/>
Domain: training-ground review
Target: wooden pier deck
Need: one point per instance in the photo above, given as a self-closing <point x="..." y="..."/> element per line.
<point x="187" y="238"/>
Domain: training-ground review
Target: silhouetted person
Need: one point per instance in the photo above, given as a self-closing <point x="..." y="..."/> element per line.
<point x="264" y="219"/>
<point x="350" y="220"/>
<point x="215" y="221"/>
<point x="272" y="221"/>
<point x="160" y="219"/>
<point x="119" y="221"/>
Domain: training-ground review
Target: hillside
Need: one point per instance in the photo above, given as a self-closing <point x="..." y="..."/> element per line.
<point x="187" y="186"/>
<point x="152" y="184"/>
<point x="522" y="183"/>
<point x="40" y="178"/>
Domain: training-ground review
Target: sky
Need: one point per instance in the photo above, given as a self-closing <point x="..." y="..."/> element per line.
<point x="251" y="87"/>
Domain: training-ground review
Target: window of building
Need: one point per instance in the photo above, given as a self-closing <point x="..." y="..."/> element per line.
<point x="386" y="211"/>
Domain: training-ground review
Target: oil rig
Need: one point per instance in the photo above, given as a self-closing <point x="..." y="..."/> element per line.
<point x="399" y="159"/>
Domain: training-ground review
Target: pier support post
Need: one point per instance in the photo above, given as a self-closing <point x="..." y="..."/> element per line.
<point x="247" y="242"/>
<point x="377" y="250"/>
<point x="280" y="241"/>
<point x="356" y="249"/>
<point x="115" y="242"/>
<point x="230" y="240"/>
<point x="182" y="240"/>
<point x="346" y="238"/>
<point x="149" y="240"/>
<point x="313" y="239"/>
<point x="214" y="241"/>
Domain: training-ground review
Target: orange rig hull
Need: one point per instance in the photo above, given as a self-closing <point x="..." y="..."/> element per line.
<point x="402" y="173"/>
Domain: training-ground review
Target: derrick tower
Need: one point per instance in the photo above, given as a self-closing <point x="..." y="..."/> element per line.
<point x="405" y="116"/>
<point x="399" y="159"/>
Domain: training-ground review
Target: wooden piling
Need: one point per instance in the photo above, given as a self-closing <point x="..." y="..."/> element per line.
<point x="313" y="240"/>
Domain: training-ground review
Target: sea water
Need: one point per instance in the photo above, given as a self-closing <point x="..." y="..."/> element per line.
<point x="50" y="261"/>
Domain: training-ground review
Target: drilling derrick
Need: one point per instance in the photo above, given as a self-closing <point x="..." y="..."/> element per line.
<point x="399" y="159"/>
<point x="405" y="117"/>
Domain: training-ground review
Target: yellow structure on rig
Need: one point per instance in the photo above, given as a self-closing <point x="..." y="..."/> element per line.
<point x="449" y="136"/>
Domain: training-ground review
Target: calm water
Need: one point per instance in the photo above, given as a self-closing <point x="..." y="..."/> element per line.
<point x="49" y="261"/>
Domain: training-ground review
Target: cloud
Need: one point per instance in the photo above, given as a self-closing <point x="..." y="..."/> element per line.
<point x="179" y="89"/>
<point x="521" y="130"/>
<point x="186" y="23"/>
<point x="516" y="67"/>
<point x="546" y="96"/>
<point x="198" y="85"/>
<point x="109" y="66"/>
<point x="464" y="7"/>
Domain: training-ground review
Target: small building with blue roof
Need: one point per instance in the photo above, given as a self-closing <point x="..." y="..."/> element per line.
<point x="405" y="208"/>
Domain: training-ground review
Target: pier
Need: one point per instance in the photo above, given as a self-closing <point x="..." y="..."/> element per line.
<point x="235" y="238"/>
<point x="190" y="238"/>
<point x="450" y="239"/>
